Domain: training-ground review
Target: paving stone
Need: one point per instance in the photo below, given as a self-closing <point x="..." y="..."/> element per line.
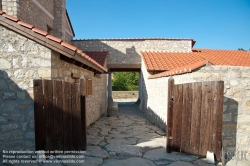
<point x="162" y="163"/>
<point x="125" y="150"/>
<point x="102" y="143"/>
<point x="180" y="163"/>
<point x="96" y="151"/>
<point x="92" y="161"/>
<point x="202" y="162"/>
<point x="161" y="154"/>
<point x="152" y="143"/>
<point x="122" y="141"/>
<point x="128" y="162"/>
<point x="91" y="140"/>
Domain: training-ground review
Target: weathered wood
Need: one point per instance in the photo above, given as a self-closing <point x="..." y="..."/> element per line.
<point x="177" y="117"/>
<point x="67" y="117"/>
<point x="205" y="118"/>
<point x="58" y="114"/>
<point x="185" y="131"/>
<point x="39" y="115"/>
<point x="89" y="88"/>
<point x="83" y="112"/>
<point x="196" y="117"/>
<point x="220" y="98"/>
<point x="49" y="115"/>
<point x="76" y="115"/>
<point x="170" y="114"/>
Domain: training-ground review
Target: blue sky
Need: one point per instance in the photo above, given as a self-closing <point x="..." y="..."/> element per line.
<point x="215" y="24"/>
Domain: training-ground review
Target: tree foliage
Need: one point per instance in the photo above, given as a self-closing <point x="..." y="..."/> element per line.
<point x="125" y="81"/>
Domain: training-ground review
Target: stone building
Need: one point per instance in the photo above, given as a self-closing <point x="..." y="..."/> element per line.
<point x="29" y="53"/>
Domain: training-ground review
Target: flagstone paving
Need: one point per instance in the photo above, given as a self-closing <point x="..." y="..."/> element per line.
<point x="130" y="139"/>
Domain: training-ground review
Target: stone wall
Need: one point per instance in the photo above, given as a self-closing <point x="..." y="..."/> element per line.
<point x="236" y="109"/>
<point x="126" y="53"/>
<point x="22" y="61"/>
<point x="10" y="7"/>
<point x="96" y="103"/>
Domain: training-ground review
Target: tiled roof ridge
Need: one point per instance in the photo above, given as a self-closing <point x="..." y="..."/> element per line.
<point x="180" y="70"/>
<point x="53" y="38"/>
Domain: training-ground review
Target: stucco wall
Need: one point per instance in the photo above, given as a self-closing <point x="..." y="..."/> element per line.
<point x="126" y="53"/>
<point x="236" y="109"/>
<point x="21" y="61"/>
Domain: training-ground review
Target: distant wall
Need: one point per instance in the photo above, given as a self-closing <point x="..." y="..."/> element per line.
<point x="236" y="108"/>
<point x="127" y="53"/>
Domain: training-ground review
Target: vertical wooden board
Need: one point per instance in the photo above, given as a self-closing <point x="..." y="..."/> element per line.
<point x="58" y="114"/>
<point x="84" y="122"/>
<point x="49" y="115"/>
<point x="83" y="112"/>
<point x="177" y="117"/>
<point x="76" y="115"/>
<point x="220" y="98"/>
<point x="67" y="117"/>
<point x="195" y="122"/>
<point x="184" y="118"/>
<point x="205" y="118"/>
<point x="213" y="117"/>
<point x="89" y="87"/>
<point x="39" y="115"/>
<point x="188" y="148"/>
<point x="169" y="126"/>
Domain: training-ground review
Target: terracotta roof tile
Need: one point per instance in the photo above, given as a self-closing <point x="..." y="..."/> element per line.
<point x="171" y="62"/>
<point x="25" y="24"/>
<point x="41" y="32"/>
<point x="10" y="17"/>
<point x="69" y="46"/>
<point x="180" y="70"/>
<point x="58" y="40"/>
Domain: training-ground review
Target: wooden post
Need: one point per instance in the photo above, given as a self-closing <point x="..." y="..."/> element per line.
<point x="83" y="112"/>
<point x="169" y="126"/>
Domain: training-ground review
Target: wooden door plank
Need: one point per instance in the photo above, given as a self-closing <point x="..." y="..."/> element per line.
<point x="220" y="98"/>
<point x="205" y="118"/>
<point x="58" y="114"/>
<point x="49" y="115"/>
<point x="195" y="122"/>
<point x="67" y="116"/>
<point x="83" y="112"/>
<point x="76" y="115"/>
<point x="185" y="134"/>
<point x="39" y="115"/>
<point x="169" y="126"/>
<point x="177" y="117"/>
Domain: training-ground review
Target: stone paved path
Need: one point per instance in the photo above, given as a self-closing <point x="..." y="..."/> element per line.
<point x="130" y="139"/>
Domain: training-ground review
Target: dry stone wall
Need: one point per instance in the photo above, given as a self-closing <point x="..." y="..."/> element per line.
<point x="126" y="53"/>
<point x="236" y="109"/>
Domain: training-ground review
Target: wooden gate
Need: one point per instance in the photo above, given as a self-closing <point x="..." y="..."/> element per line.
<point x="60" y="115"/>
<point x="194" y="118"/>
